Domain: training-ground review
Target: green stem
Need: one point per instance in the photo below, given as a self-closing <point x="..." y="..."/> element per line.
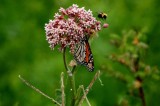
<point x="141" y="92"/>
<point x="64" y="59"/>
<point x="73" y="89"/>
<point x="88" y="88"/>
<point x="73" y="70"/>
<point x="136" y="69"/>
<point x="71" y="78"/>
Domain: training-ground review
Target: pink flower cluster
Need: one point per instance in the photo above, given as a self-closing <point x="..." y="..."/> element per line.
<point x="70" y="26"/>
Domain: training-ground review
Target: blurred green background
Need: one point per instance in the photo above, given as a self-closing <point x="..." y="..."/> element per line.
<point x="24" y="50"/>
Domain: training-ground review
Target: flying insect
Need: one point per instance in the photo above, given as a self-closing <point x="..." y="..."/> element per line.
<point x="102" y="15"/>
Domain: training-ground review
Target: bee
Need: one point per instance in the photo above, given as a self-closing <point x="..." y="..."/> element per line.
<point x="102" y="15"/>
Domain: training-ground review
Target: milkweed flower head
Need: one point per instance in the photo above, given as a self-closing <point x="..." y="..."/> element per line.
<point x="69" y="26"/>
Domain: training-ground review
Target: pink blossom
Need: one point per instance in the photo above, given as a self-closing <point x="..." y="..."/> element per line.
<point x="105" y="25"/>
<point x="69" y="26"/>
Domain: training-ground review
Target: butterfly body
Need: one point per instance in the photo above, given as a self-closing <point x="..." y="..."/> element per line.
<point x="83" y="54"/>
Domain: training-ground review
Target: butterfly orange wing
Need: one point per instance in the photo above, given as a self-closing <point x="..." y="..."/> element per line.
<point x="83" y="54"/>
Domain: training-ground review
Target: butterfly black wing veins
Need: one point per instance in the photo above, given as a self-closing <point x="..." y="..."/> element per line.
<point x="83" y="54"/>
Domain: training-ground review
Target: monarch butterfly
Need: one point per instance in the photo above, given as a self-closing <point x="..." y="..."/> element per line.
<point x="83" y="54"/>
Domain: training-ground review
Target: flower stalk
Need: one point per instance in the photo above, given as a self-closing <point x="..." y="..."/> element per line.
<point x="39" y="91"/>
<point x="62" y="89"/>
<point x="138" y="78"/>
<point x="88" y="88"/>
<point x="71" y="79"/>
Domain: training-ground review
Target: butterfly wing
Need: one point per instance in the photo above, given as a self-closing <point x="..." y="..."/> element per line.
<point x="83" y="54"/>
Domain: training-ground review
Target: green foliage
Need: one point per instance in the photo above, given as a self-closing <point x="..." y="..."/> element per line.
<point x="131" y="49"/>
<point x="24" y="51"/>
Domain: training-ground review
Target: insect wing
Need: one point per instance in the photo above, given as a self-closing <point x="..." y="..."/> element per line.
<point x="89" y="57"/>
<point x="83" y="55"/>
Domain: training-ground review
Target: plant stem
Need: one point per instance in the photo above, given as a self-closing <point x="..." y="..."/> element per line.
<point x="136" y="69"/>
<point x="39" y="91"/>
<point x="71" y="78"/>
<point x="141" y="92"/>
<point x="64" y="59"/>
<point x="85" y="96"/>
<point x="73" y="88"/>
<point x="88" y="88"/>
<point x="62" y="89"/>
